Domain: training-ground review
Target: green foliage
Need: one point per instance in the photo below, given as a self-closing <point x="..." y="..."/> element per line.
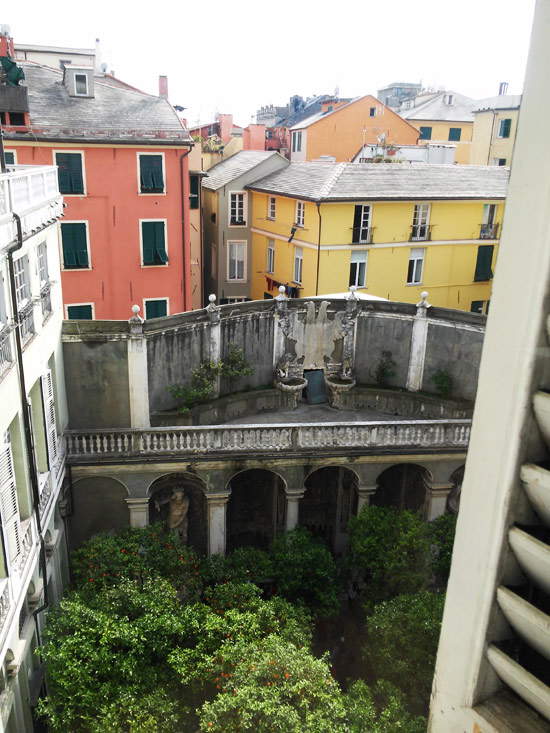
<point x="136" y="711"/>
<point x="274" y="686"/>
<point x="443" y="382"/>
<point x="385" y="369"/>
<point x="203" y="379"/>
<point x="136" y="553"/>
<point x="241" y="565"/>
<point x="305" y="572"/>
<point x="403" y="634"/>
<point x="389" y="552"/>
<point x="442" y="534"/>
<point x="381" y="709"/>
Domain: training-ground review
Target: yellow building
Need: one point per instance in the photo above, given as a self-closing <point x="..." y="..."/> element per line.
<point x="494" y="131"/>
<point x="391" y="230"/>
<point x="443" y="117"/>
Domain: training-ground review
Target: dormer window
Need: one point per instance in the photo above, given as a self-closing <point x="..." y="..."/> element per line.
<point x="449" y="98"/>
<point x="81" y="85"/>
<point x="79" y="80"/>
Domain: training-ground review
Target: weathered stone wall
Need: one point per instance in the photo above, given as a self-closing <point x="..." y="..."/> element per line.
<point x="379" y="333"/>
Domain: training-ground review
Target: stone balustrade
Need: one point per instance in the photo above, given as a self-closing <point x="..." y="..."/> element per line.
<point x="89" y="445"/>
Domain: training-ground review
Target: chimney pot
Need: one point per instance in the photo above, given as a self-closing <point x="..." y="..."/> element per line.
<point x="163" y="87"/>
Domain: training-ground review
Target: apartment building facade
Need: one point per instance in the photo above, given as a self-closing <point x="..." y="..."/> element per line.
<point x="389" y="230"/>
<point x="33" y="416"/>
<point x="123" y="171"/>
<point x="495" y="128"/>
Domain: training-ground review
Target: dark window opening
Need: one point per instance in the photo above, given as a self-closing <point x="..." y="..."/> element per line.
<point x="17" y="119"/>
<point x="150" y="174"/>
<point x="194" y="189"/>
<point x="79" y="312"/>
<point x="483" y="264"/>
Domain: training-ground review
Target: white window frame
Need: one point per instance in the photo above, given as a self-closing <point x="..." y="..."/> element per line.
<point x="76" y="92"/>
<point x="244" y="194"/>
<point x="82" y="165"/>
<point x="359" y="257"/>
<point x="418" y="256"/>
<point x="420" y="220"/>
<point x="300" y="215"/>
<point x="244" y="245"/>
<point x="88" y="248"/>
<point x="366" y="212"/>
<point x="270" y="257"/>
<point x="151" y="267"/>
<point x="70" y="305"/>
<point x="140" y="192"/>
<point x="297" y="141"/>
<point x="25" y="280"/>
<point x="42" y="257"/>
<point x="146" y="300"/>
<point x="499" y="131"/>
<point x="14" y="153"/>
<point x="271" y="207"/>
<point x="298" y="264"/>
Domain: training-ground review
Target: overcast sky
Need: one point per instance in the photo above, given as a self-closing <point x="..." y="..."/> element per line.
<point x="238" y="56"/>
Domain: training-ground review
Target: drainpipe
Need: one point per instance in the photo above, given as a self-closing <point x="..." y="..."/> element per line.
<point x="318" y="247"/>
<point x="33" y="473"/>
<point x="3" y="167"/>
<point x="186" y="262"/>
<point x="491" y="138"/>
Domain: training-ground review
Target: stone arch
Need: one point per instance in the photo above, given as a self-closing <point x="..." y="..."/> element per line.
<point x="99" y="505"/>
<point x="453" y="499"/>
<point x="329" y="500"/>
<point x="403" y="486"/>
<point x="256" y="508"/>
<point x="160" y="490"/>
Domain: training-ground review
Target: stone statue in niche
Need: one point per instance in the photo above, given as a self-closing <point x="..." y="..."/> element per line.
<point x="178" y="508"/>
<point x="283" y="365"/>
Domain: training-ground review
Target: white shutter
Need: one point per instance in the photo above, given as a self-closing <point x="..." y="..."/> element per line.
<point x="48" y="400"/>
<point x="8" y="502"/>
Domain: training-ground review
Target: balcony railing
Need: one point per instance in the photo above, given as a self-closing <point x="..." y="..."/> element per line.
<point x="26" y="320"/>
<point x="91" y="445"/>
<point x="5" y="349"/>
<point x="31" y="192"/>
<point x="488" y="231"/>
<point x="420" y="233"/>
<point x="362" y="235"/>
<point x="46" y="301"/>
<point x="27" y="538"/>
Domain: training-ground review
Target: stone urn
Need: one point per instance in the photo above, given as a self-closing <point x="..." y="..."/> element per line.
<point x="337" y="386"/>
<point x="292" y="388"/>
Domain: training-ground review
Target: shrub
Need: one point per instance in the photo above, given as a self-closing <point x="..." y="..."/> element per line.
<point x="385" y="369"/>
<point x="443" y="382"/>
<point x="241" y="565"/>
<point x="381" y="709"/>
<point x="442" y="534"/>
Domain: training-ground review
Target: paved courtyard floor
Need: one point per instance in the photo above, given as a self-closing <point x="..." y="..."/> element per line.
<point x="313" y="413"/>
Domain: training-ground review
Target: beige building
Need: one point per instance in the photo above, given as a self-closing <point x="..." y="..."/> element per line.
<point x="492" y="672"/>
<point x="494" y="131"/>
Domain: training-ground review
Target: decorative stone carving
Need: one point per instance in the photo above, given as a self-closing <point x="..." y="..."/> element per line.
<point x="212" y="309"/>
<point x="136" y="322"/>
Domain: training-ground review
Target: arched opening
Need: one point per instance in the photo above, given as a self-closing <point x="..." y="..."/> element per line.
<point x="180" y="497"/>
<point x="404" y="487"/>
<point x="329" y="501"/>
<point x="453" y="500"/>
<point x="98" y="506"/>
<point x="256" y="509"/>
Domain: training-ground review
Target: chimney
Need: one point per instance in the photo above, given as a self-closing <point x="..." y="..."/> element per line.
<point x="97" y="57"/>
<point x="502" y="88"/>
<point x="6" y="42"/>
<point x="163" y="87"/>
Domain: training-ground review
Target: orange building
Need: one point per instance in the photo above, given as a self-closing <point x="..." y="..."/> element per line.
<point x="123" y="172"/>
<point x="341" y="129"/>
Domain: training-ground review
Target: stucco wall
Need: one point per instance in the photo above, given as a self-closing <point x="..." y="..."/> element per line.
<point x="382" y="333"/>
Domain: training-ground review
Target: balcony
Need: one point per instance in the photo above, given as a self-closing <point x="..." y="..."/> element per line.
<point x="46" y="301"/>
<point x="6" y="357"/>
<point x="362" y="235"/>
<point x="420" y="233"/>
<point x="488" y="231"/>
<point x="31" y="192"/>
<point x="26" y="320"/>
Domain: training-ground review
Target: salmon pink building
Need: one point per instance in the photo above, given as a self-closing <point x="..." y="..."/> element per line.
<point x="124" y="175"/>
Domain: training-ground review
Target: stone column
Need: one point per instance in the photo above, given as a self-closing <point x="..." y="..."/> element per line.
<point x="215" y="341"/>
<point x="139" y="511"/>
<point x="138" y="379"/>
<point x="364" y="494"/>
<point x="217" y="521"/>
<point x="419" y="338"/>
<point x="293" y="497"/>
<point x="280" y="326"/>
<point x="437" y="499"/>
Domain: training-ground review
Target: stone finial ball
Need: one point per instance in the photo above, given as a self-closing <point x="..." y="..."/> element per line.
<point x="212" y="298"/>
<point x="424" y="294"/>
<point x="136" y="309"/>
<point x="353" y="288"/>
<point x="282" y="289"/>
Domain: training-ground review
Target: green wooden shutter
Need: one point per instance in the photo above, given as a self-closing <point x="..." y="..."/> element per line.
<point x="8" y="502"/>
<point x="79" y="312"/>
<point x="155" y="308"/>
<point x="506" y="127"/>
<point x="69" y="173"/>
<point x="150" y="174"/>
<point x="357" y="218"/>
<point x="9" y="155"/>
<point x="154" y="246"/>
<point x="75" y="251"/>
<point x="454" y="133"/>
<point x="483" y="263"/>
<point x="425" y="133"/>
<point x="48" y="405"/>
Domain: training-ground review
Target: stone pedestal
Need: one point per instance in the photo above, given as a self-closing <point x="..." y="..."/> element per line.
<point x="437" y="499"/>
<point x="138" y="378"/>
<point x="217" y="522"/>
<point x="139" y="512"/>
<point x="293" y="497"/>
<point x="364" y="494"/>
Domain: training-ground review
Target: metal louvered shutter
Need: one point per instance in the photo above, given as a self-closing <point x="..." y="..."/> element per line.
<point x="8" y="502"/>
<point x="48" y="401"/>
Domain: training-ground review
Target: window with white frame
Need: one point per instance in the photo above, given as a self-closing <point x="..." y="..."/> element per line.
<point x="237" y="208"/>
<point x="298" y="264"/>
<point x="22" y="283"/>
<point x="8" y="501"/>
<point x="271" y="207"/>
<point x="358" y="269"/>
<point x="300" y="213"/>
<point x="420" y="226"/>
<point x="297" y="141"/>
<point x="81" y="85"/>
<point x="42" y="255"/>
<point x="236" y="261"/>
<point x="416" y="266"/>
<point x="270" y="264"/>
<point x="361" y="224"/>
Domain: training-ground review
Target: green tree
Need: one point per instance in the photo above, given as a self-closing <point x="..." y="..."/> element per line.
<point x="274" y="686"/>
<point x="442" y="535"/>
<point x="381" y="709"/>
<point x="401" y="647"/>
<point x="389" y="552"/>
<point x="305" y="572"/>
<point x="242" y="565"/>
